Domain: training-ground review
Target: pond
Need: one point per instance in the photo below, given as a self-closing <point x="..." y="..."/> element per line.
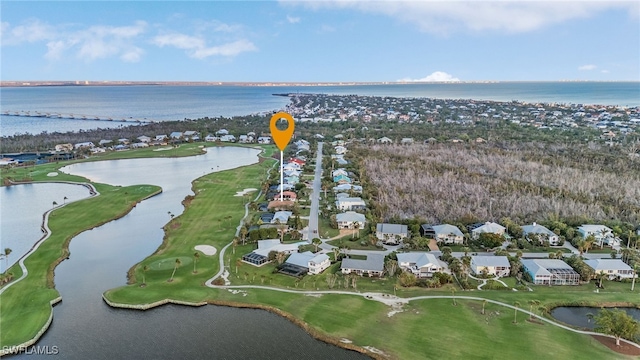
<point x="577" y="316"/>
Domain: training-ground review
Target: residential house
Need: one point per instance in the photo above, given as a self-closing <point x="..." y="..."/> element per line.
<point x="176" y="135"/>
<point x="613" y="268"/>
<point x="602" y="234"/>
<point x="348" y="187"/>
<point x="191" y="135"/>
<point x="341" y="179"/>
<point x="260" y="256"/>
<point x="161" y="138"/>
<point x="391" y="233"/>
<point x="350" y="203"/>
<point x="339" y="172"/>
<point x="104" y="142"/>
<point x="264" y="140"/>
<point x="550" y="272"/>
<point x="281" y="217"/>
<point x="372" y="266"/>
<point x="222" y="132"/>
<point x="228" y="138"/>
<point x="350" y="220"/>
<point x="406" y="141"/>
<point x="487" y="227"/>
<point x="491" y="265"/>
<point x="340" y="150"/>
<point x="445" y="233"/>
<point x="384" y="140"/>
<point x="286" y="195"/>
<point x="421" y="264"/>
<point x="84" y="145"/>
<point x="318" y="264"/>
<point x="144" y="139"/>
<point x="542" y="232"/>
<point x="211" y="138"/>
<point x="139" y="145"/>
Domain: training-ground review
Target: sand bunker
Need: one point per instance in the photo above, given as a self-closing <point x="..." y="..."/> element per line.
<point x="245" y="191"/>
<point x="206" y="249"/>
<point x="163" y="149"/>
<point x="52" y="174"/>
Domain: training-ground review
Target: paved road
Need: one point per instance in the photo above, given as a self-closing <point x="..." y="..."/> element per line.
<point x="312" y="228"/>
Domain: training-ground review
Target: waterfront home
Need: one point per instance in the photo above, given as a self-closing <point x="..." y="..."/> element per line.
<point x="260" y="256"/>
<point x="372" y="266"/>
<point x="139" y="145"/>
<point x="350" y="220"/>
<point x="211" y="138"/>
<point x="222" y="132"/>
<point x="602" y="234"/>
<point x="160" y="138"/>
<point x="445" y="233"/>
<point x="613" y="268"/>
<point x="391" y="233"/>
<point x="421" y="264"/>
<point x="490" y="265"/>
<point x="550" y="272"/>
<point x="176" y="135"/>
<point x="350" y="203"/>
<point x="306" y="262"/>
<point x="487" y="227"/>
<point x="191" y="135"/>
<point x="228" y="138"/>
<point x="542" y="232"/>
<point x="264" y="140"/>
<point x="144" y="139"/>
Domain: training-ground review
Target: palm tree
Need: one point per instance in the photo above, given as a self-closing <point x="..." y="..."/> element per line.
<point x="177" y="264"/>
<point x="144" y="271"/>
<point x="64" y="200"/>
<point x="54" y="204"/>
<point x="515" y="314"/>
<point x="238" y="264"/>
<point x="243" y="233"/>
<point x="316" y="242"/>
<point x="7" y="251"/>
<point x="635" y="275"/>
<point x="453" y="294"/>
<point x="484" y="302"/>
<point x="196" y="256"/>
<point x="601" y="276"/>
<point x="532" y="303"/>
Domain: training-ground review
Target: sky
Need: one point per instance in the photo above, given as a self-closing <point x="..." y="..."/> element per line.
<point x="323" y="41"/>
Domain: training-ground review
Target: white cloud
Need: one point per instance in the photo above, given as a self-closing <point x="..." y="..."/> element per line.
<point x="587" y="67"/>
<point x="604" y="71"/>
<point x="444" y="17"/>
<point x="436" y="76"/>
<point x="32" y="30"/>
<point x="196" y="46"/>
<point x="293" y="20"/>
<point x="132" y="55"/>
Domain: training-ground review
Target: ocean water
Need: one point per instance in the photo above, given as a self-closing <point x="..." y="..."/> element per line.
<point x="179" y="102"/>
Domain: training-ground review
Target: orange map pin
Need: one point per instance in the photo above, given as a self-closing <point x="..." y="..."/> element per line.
<point x="281" y="137"/>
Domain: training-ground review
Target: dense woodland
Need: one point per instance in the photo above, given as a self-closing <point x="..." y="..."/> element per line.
<point x="449" y="182"/>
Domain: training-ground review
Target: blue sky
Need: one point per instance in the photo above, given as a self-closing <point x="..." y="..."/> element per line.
<point x="325" y="41"/>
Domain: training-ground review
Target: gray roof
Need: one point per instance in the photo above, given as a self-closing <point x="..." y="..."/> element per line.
<point x="374" y="262"/>
<point x="446" y="229"/>
<point x="351" y="216"/>
<point x="392" y="229"/>
<point x="607" y="264"/>
<point x="496" y="261"/>
<point x="489" y="227"/>
<point x="542" y="266"/>
<point x="419" y="258"/>
<point x="537" y="229"/>
<point x="300" y="259"/>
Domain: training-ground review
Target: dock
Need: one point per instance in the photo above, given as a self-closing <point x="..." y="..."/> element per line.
<point x="70" y="116"/>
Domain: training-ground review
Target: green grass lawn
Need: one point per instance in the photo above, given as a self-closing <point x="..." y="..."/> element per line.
<point x="353" y="243"/>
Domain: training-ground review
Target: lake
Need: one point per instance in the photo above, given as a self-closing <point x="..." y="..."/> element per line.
<point x="85" y="327"/>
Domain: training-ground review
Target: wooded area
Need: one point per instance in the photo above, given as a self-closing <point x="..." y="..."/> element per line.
<point x="526" y="182"/>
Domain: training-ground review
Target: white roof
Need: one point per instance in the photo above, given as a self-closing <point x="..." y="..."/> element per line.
<point x="352" y="200"/>
<point x="319" y="258"/>
<point x="541" y="266"/>
<point x="490" y="261"/>
<point x="282" y="216"/>
<point x="419" y="258"/>
<point x="607" y="264"/>
<point x="267" y="246"/>
<point x="446" y="229"/>
<point x="590" y="228"/>
<point x="350" y="216"/>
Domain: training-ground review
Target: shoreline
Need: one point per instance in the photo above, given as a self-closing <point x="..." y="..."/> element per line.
<point x="316" y="334"/>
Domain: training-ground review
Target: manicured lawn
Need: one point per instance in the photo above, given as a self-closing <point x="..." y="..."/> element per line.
<point x="353" y="243"/>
